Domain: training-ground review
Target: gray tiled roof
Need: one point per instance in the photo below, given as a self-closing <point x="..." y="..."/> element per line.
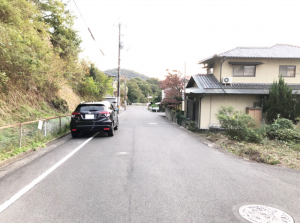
<point x="110" y="75"/>
<point x="277" y="51"/>
<point x="208" y="84"/>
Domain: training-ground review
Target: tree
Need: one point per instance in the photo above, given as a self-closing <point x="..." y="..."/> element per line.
<point x="134" y="92"/>
<point x="173" y="86"/>
<point x="153" y="81"/>
<point x="105" y="83"/>
<point x="282" y="102"/>
<point x="60" y="21"/>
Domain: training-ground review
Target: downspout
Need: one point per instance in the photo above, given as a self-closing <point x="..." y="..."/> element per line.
<point x="199" y="111"/>
<point x="221" y="69"/>
<point x="209" y="113"/>
<point x="262" y="108"/>
<point x="221" y="75"/>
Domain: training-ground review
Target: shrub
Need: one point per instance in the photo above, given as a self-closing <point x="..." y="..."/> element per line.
<point x="60" y="104"/>
<point x="237" y="125"/>
<point x="262" y="130"/>
<point x="192" y="126"/>
<point x="283" y="129"/>
<point x="180" y="117"/>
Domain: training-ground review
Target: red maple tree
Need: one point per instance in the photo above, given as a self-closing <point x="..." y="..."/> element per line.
<point x="173" y="86"/>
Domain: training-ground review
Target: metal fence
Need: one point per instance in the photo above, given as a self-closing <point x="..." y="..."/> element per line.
<point x="27" y="133"/>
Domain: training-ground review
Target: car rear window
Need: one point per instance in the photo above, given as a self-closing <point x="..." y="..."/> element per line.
<point x="91" y="108"/>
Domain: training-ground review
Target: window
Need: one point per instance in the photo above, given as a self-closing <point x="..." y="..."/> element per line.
<point x="243" y="71"/>
<point x="86" y="107"/>
<point x="287" y="71"/>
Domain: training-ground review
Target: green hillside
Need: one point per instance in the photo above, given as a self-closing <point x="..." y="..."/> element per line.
<point x="127" y="73"/>
<point x="41" y="72"/>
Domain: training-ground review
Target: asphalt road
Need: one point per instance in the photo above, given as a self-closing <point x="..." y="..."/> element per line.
<point x="150" y="171"/>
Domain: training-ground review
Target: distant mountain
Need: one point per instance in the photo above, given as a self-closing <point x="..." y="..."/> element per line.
<point x="127" y="73"/>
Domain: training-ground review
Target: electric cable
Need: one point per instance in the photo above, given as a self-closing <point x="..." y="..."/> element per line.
<point x="87" y="25"/>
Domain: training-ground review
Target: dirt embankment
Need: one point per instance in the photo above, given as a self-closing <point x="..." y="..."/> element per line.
<point x="69" y="96"/>
<point x="18" y="105"/>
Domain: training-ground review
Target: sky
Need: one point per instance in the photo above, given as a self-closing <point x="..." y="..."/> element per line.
<point x="165" y="34"/>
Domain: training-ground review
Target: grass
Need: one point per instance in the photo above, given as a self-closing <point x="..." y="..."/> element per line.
<point x="32" y="138"/>
<point x="20" y="105"/>
<point x="273" y="152"/>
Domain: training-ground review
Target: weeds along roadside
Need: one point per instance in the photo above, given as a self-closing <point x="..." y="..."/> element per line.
<point x="277" y="143"/>
<point x="32" y="137"/>
<point x="274" y="152"/>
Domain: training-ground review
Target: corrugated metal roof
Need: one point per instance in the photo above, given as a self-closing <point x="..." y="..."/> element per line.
<point x="207" y="81"/>
<point x="208" y="84"/>
<point x="277" y="51"/>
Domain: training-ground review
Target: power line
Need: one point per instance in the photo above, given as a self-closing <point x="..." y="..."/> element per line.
<point x="80" y="13"/>
<point x="86" y="25"/>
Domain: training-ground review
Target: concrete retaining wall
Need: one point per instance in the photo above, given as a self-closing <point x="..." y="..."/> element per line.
<point x="170" y="115"/>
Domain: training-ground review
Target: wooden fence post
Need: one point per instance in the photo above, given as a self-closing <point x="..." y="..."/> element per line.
<point x="20" y="142"/>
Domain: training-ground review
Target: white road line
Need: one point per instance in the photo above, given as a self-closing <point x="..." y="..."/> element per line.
<point x="37" y="180"/>
<point x="122" y="153"/>
<point x="122" y="113"/>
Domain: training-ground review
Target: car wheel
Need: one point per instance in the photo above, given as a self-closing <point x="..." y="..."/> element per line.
<point x="116" y="127"/>
<point x="74" y="134"/>
<point x="111" y="132"/>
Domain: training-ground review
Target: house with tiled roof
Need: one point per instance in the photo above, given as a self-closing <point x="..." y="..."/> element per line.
<point x="240" y="77"/>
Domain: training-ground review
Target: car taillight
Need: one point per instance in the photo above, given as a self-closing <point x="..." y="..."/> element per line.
<point x="106" y="129"/>
<point x="75" y="113"/>
<point x="106" y="113"/>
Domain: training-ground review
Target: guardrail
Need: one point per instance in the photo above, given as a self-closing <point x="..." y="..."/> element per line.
<point x="154" y="108"/>
<point x="139" y="104"/>
<point x="22" y="134"/>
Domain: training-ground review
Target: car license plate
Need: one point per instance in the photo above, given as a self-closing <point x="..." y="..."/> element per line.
<point x="89" y="116"/>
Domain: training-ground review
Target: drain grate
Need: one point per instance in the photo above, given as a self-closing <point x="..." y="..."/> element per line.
<point x="264" y="214"/>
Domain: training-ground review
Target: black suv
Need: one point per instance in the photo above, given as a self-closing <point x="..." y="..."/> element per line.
<point x="94" y="117"/>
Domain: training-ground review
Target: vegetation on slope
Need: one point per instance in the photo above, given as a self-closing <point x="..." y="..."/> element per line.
<point x="127" y="73"/>
<point x="39" y="56"/>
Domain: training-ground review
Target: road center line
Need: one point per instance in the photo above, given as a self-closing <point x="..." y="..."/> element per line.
<point x="37" y="180"/>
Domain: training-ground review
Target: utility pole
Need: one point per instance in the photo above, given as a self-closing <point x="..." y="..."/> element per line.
<point x="125" y="104"/>
<point x="183" y="106"/>
<point x="119" y="68"/>
<point x="184" y="76"/>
